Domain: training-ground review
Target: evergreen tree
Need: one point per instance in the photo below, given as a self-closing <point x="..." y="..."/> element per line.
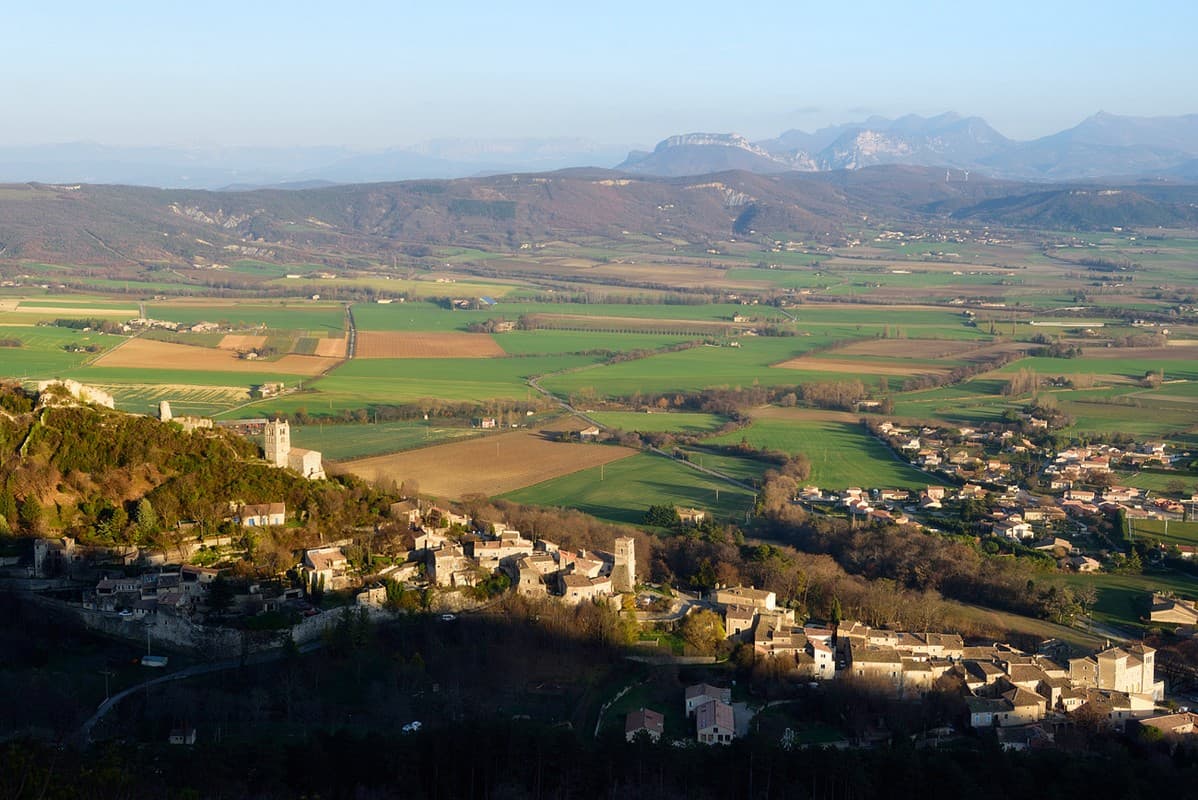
<point x="146" y="517"/>
<point x="32" y="515"/>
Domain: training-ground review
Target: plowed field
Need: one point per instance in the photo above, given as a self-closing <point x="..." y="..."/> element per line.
<point x="489" y="465"/>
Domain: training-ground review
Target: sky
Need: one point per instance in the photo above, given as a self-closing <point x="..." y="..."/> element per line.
<point x="372" y="75"/>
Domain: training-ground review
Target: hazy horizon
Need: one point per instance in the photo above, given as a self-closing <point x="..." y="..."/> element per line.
<point x="376" y="77"/>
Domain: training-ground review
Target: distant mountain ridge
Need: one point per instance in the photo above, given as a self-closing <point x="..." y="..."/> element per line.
<point x="1102" y="145"/>
<point x="153" y="228"/>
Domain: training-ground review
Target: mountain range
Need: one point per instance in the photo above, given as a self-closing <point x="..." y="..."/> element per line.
<point x="1103" y="145"/>
<point x="157" y="229"/>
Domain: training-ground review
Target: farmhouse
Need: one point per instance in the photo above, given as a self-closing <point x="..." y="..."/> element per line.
<point x="701" y="693"/>
<point x="329" y="565"/>
<point x="1185" y="723"/>
<point x="261" y="515"/>
<point x="746" y="597"/>
<point x="644" y="719"/>
<point x="715" y="723"/>
<point x="1174" y="611"/>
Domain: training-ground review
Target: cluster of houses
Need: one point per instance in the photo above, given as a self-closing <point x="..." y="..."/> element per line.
<point x="964" y="454"/>
<point x="984" y="456"/>
<point x="982" y="459"/>
<point x="452" y="557"/>
<point x="709" y="706"/>
<point x="1004" y="686"/>
<point x="176" y="591"/>
<point x="182" y="591"/>
<point x="146" y="323"/>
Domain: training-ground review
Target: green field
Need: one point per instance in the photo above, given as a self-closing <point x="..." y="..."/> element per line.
<point x="1171" y="532"/>
<point x="1124" y="600"/>
<point x="1122" y="408"/>
<point x="554" y="341"/>
<point x="842" y="454"/>
<point x="425" y="316"/>
<point x="686" y="423"/>
<point x="1131" y="368"/>
<point x="1080" y="641"/>
<point x="623" y="490"/>
<point x="380" y="381"/>
<point x="291" y="316"/>
<point x="688" y="370"/>
<point x="342" y="442"/>
<point x="1158" y="481"/>
<point x="42" y="355"/>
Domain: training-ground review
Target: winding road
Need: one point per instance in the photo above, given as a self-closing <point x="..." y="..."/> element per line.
<point x="82" y="737"/>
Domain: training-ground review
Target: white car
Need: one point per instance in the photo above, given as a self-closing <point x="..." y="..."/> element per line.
<point x="412" y="727"/>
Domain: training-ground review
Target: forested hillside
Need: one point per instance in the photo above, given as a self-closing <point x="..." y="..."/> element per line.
<point x="112" y="478"/>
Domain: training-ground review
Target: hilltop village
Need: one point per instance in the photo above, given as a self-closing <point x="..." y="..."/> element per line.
<point x="453" y="563"/>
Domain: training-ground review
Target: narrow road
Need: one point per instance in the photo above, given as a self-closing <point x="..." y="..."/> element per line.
<point x="83" y="735"/>
<point x="1116" y="635"/>
<point x="351" y="335"/>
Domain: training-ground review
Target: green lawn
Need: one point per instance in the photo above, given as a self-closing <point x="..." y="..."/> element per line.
<point x="1158" y="481"/>
<point x="1171" y="532"/>
<point x="1124" y="599"/>
<point x="1079" y="640"/>
<point x="842" y="454"/>
<point x="623" y="490"/>
<point x="657" y="694"/>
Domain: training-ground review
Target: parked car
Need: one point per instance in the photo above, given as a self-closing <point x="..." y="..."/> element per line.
<point x="412" y="727"/>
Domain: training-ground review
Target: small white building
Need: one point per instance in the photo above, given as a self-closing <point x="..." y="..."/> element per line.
<point x="261" y="515"/>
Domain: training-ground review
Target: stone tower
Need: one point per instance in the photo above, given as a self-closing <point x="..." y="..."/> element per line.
<point x="623" y="573"/>
<point x="276" y="444"/>
<point x="164" y="410"/>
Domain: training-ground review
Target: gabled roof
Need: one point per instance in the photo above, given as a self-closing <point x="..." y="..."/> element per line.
<point x="1022" y="698"/>
<point x="706" y="690"/>
<point x="715" y="714"/>
<point x="263" y="509"/>
<point x="645" y="719"/>
<point x="876" y="655"/>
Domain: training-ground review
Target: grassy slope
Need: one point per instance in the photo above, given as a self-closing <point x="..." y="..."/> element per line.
<point x="622" y="491"/>
<point x="842" y="454"/>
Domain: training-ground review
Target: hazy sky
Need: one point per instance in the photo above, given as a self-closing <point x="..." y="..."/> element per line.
<point x="377" y="74"/>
